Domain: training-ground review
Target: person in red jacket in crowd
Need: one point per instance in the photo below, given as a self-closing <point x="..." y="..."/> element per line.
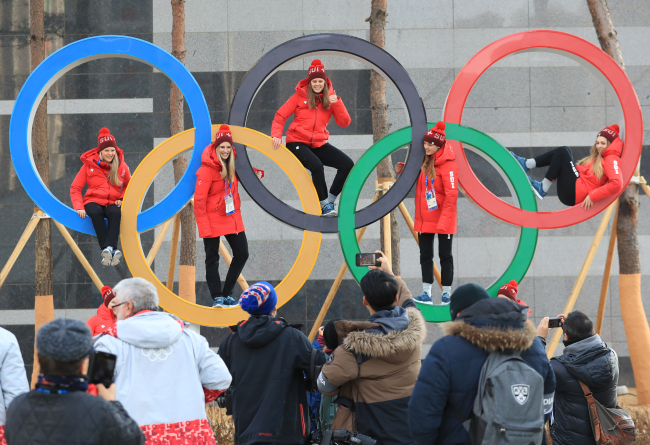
<point x="217" y="212"/>
<point x="107" y="176"/>
<point x="595" y="177"/>
<point x="105" y="318"/>
<point x="510" y="291"/>
<point x="436" y="195"/>
<point x="313" y="104"/>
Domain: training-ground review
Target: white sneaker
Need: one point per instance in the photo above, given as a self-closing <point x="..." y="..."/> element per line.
<point x="107" y="257"/>
<point x="117" y="256"/>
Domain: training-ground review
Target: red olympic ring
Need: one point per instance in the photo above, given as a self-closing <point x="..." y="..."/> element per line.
<point x="583" y="52"/>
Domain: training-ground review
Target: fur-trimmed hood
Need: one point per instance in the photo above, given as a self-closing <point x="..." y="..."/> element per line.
<point x="392" y="347"/>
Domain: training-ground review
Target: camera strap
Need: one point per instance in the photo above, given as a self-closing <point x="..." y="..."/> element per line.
<point x="359" y="358"/>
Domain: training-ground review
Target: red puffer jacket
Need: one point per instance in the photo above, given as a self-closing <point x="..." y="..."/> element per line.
<point x="100" y="190"/>
<point x="310" y="125"/>
<point x="443" y="219"/>
<point x="102" y="322"/>
<point x="610" y="183"/>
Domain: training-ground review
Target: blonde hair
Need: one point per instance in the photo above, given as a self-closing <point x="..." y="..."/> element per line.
<point x="227" y="169"/>
<point x="596" y="160"/>
<point x="429" y="167"/>
<point x="113" y="175"/>
<point x="311" y="97"/>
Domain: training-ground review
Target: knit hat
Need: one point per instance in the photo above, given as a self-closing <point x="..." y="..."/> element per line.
<point x="330" y="335"/>
<point x="317" y="70"/>
<point x="107" y="294"/>
<point x="105" y="139"/>
<point x="436" y="135"/>
<point x="259" y="299"/>
<point x="223" y="135"/>
<point x="509" y="290"/>
<point x="64" y="340"/>
<point x="465" y="296"/>
<point x="610" y="133"/>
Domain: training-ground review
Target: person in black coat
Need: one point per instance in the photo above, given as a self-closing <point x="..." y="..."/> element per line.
<point x="444" y="393"/>
<point x="268" y="360"/>
<point x="585" y="358"/>
<point x="59" y="410"/>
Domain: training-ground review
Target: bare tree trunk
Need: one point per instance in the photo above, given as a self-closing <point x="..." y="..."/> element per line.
<point x="186" y="273"/>
<point x="44" y="302"/>
<point x="380" y="125"/>
<point x="632" y="311"/>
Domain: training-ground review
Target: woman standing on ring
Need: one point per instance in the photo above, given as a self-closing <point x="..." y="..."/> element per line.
<point x="436" y="195"/>
<point x="217" y="212"/>
<point x="107" y="176"/>
<point x="595" y="177"/>
<point x="314" y="103"/>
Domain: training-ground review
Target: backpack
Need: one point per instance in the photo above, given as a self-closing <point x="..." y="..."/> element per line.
<point x="611" y="426"/>
<point x="509" y="404"/>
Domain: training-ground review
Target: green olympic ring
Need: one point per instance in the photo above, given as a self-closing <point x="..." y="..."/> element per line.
<point x="485" y="146"/>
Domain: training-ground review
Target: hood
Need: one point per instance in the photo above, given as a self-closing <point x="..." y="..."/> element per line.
<point x="614" y="149"/>
<point x="389" y="321"/>
<point x="150" y="329"/>
<point x="260" y="330"/>
<point x="105" y="313"/>
<point x="91" y="157"/>
<point x="301" y="88"/>
<point x="494" y="324"/>
<point x="210" y="159"/>
<point x="446" y="153"/>
<point x="393" y="347"/>
<point x="591" y="361"/>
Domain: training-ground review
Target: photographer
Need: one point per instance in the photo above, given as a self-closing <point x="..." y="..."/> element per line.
<point x="268" y="360"/>
<point x="60" y="410"/>
<point x="374" y="369"/>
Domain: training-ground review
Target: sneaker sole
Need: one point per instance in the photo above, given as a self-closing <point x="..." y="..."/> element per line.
<point x="116" y="258"/>
<point x="445" y="304"/>
<point x="540" y="197"/>
<point x="219" y="305"/>
<point x="107" y="258"/>
<point x="425" y="302"/>
<point x="331" y="214"/>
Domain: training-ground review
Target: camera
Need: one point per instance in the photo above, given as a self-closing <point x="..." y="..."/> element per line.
<point x="555" y="322"/>
<point x="340" y="437"/>
<point x="316" y="437"/>
<point x="368" y="259"/>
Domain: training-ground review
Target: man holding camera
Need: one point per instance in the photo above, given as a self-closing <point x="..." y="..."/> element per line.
<point x="60" y="410"/>
<point x="374" y="369"/>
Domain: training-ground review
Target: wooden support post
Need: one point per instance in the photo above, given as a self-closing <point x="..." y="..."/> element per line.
<point x="158" y="241"/>
<point x="385" y="186"/>
<point x="79" y="254"/>
<point x="31" y="225"/>
<point x="606" y="275"/>
<point x="171" y="269"/>
<point x="226" y="256"/>
<point x="644" y="186"/>
<point x="582" y="275"/>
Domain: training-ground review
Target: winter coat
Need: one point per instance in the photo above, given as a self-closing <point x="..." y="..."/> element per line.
<point x="596" y="365"/>
<point x="95" y="173"/>
<point x="443" y="219"/>
<point x="448" y="382"/>
<point x="610" y="183"/>
<point x="73" y="418"/>
<point x="161" y="371"/>
<point x="310" y="125"/>
<point x="102" y="322"/>
<point x="13" y="379"/>
<point x="390" y="346"/>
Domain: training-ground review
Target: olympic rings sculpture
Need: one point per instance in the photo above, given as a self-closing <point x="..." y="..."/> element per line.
<point x="134" y="222"/>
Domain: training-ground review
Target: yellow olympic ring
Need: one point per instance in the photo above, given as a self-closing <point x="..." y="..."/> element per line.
<point x="132" y="203"/>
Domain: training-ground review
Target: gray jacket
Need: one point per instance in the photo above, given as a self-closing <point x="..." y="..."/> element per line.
<point x="13" y="378"/>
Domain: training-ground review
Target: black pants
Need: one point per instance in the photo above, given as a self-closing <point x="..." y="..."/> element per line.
<point x="562" y="169"/>
<point x="315" y="158"/>
<point x="444" y="253"/>
<point x="239" y="246"/>
<point x="106" y="236"/>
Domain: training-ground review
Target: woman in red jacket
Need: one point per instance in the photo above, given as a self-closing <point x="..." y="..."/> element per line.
<point x="595" y="177"/>
<point x="436" y="194"/>
<point x="314" y="103"/>
<point x="105" y="318"/>
<point x="217" y="212"/>
<point x="107" y="176"/>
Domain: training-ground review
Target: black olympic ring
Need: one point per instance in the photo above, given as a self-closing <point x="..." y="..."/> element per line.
<point x="354" y="48"/>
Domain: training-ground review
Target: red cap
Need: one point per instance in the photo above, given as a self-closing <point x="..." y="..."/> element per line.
<point x="223" y="135"/>
<point x="436" y="135"/>
<point x="509" y="290"/>
<point x="316" y="70"/>
<point x="107" y="294"/>
<point x="610" y="133"/>
<point x="105" y="139"/>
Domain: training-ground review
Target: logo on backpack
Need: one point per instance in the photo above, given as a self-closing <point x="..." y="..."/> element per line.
<point x="520" y="393"/>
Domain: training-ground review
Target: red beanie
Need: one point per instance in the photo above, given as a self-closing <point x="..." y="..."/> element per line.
<point x="105" y="139"/>
<point x="107" y="294"/>
<point x="317" y="70"/>
<point x="610" y="133"/>
<point x="223" y="135"/>
<point x="436" y="135"/>
<point x="509" y="290"/>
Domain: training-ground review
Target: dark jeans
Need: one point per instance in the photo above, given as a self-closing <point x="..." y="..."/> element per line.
<point x="315" y="158"/>
<point x="239" y="246"/>
<point x="444" y="253"/>
<point x="106" y="236"/>
<point x="562" y="169"/>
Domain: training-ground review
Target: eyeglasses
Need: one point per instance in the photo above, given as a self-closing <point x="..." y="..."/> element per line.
<point x="119" y="304"/>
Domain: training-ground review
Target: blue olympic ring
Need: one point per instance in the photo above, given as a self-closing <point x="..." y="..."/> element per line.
<point x="69" y="57"/>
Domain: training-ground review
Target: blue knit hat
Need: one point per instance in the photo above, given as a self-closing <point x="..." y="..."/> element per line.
<point x="259" y="299"/>
<point x="64" y="340"/>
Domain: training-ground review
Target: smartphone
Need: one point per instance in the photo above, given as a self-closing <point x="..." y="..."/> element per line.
<point x="101" y="368"/>
<point x="554" y="322"/>
<point x="368" y="259"/>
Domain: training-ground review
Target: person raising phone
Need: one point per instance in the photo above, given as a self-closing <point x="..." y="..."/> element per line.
<point x="313" y="104"/>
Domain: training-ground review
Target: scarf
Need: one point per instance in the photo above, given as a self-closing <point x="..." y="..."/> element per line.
<point x="59" y="384"/>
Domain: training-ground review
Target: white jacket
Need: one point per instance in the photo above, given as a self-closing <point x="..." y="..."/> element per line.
<point x="13" y="378"/>
<point x="162" y="368"/>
